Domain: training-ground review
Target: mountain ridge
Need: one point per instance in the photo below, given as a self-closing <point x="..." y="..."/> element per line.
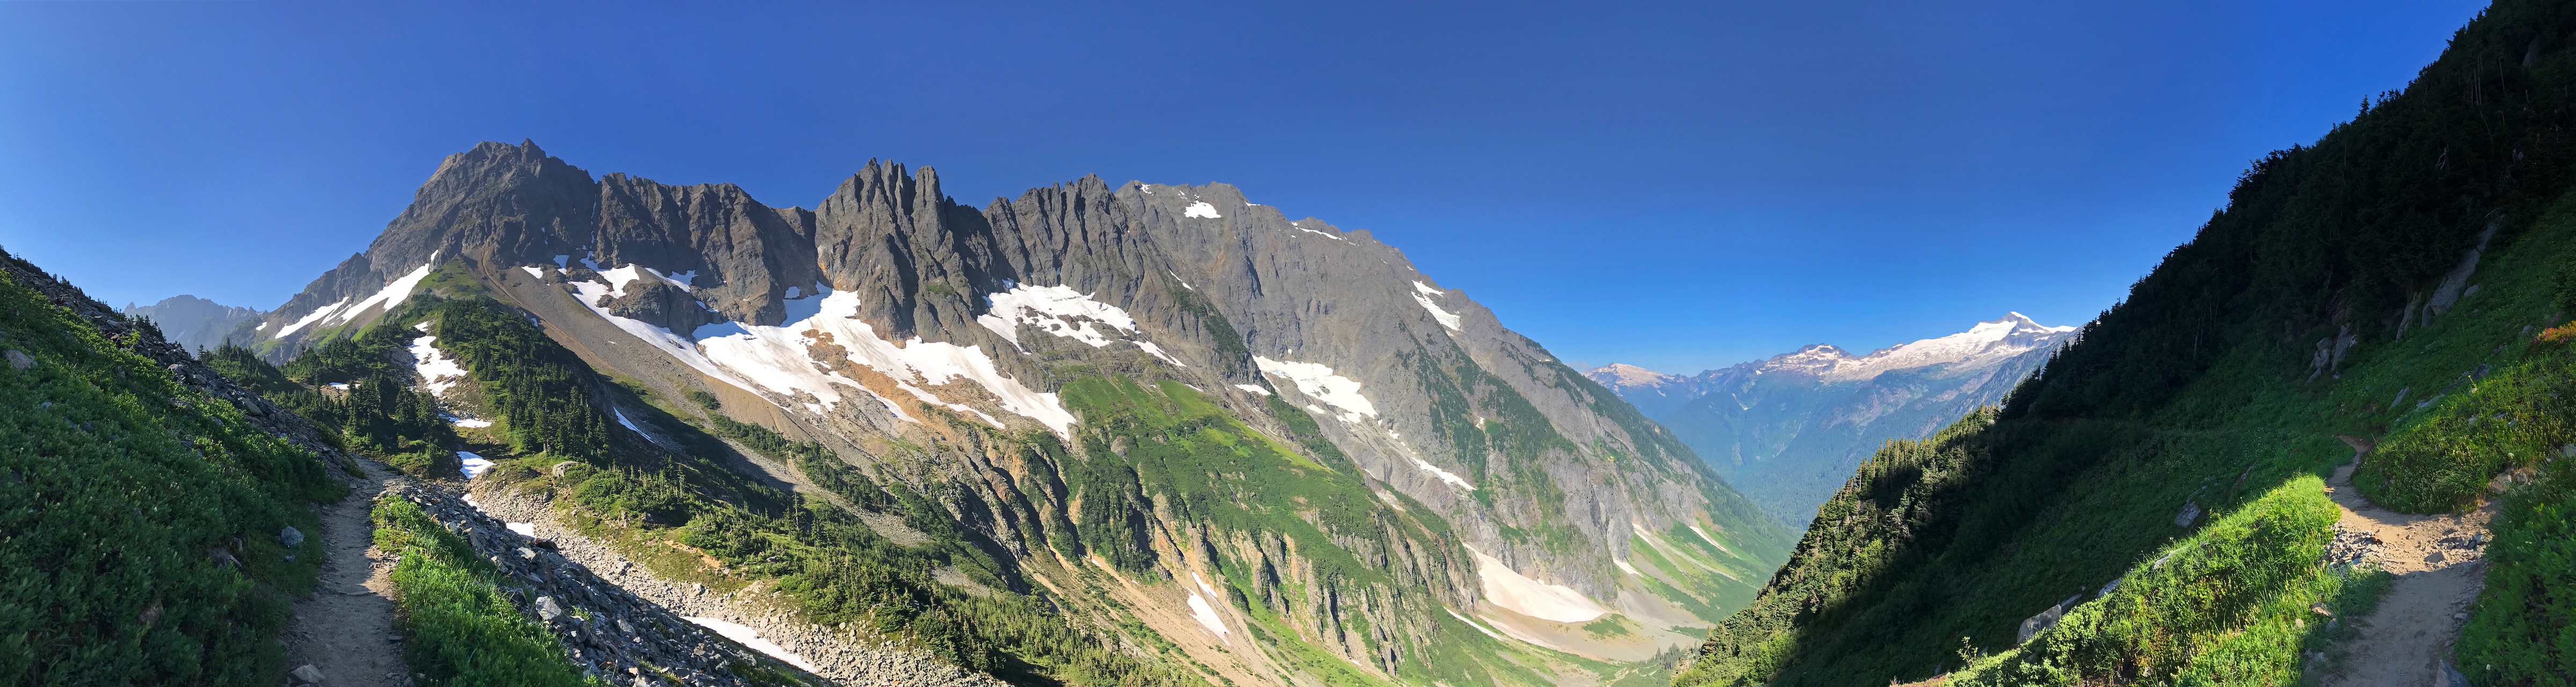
<point x="929" y="344"/>
<point x="1787" y="430"/>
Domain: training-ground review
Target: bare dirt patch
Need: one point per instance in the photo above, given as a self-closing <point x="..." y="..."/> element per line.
<point x="346" y="628"/>
<point x="2437" y="561"/>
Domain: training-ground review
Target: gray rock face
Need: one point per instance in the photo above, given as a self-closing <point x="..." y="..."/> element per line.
<point x="193" y="322"/>
<point x="1788" y="431"/>
<point x="989" y="312"/>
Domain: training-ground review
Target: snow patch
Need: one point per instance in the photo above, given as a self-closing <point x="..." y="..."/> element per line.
<point x="438" y="373"/>
<point x="1255" y="389"/>
<point x="1201" y="209"/>
<point x="1422" y="293"/>
<point x="1056" y="310"/>
<point x="474" y="464"/>
<point x="1511" y="590"/>
<point x="777" y="359"/>
<point x="392" y="295"/>
<point x="1322" y="234"/>
<point x="525" y="529"/>
<point x="466" y="422"/>
<point x="589" y="293"/>
<point x="1445" y="476"/>
<point x="1320" y="383"/>
<point x="1158" y="353"/>
<point x="1207" y="617"/>
<point x="623" y="422"/>
<point x="316" y="316"/>
<point x="744" y="635"/>
<point x="1703" y="534"/>
<point x="1623" y="565"/>
<point x="534" y="271"/>
<point x="1480" y="627"/>
<point x="1203" y="585"/>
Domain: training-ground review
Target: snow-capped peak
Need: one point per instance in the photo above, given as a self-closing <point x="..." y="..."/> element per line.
<point x="1626" y="375"/>
<point x="2007" y="336"/>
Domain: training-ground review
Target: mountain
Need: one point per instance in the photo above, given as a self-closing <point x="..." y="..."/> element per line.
<point x="1788" y="431"/>
<point x="1239" y="445"/>
<point x="2326" y="441"/>
<point x="194" y="322"/>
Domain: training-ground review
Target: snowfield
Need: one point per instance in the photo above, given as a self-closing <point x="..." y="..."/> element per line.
<point x="1520" y="594"/>
<point x="1422" y="293"/>
<point x="744" y="635"/>
<point x="438" y="373"/>
<point x="1320" y="383"/>
<point x="779" y="360"/>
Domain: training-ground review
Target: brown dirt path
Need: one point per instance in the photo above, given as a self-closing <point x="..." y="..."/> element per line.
<point x="346" y="628"/>
<point x="2438" y="574"/>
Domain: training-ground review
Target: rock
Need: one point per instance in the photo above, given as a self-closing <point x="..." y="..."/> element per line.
<point x="18" y="359"/>
<point x="562" y="468"/>
<point x="526" y="554"/>
<point x="2450" y="677"/>
<point x="290" y="537"/>
<point x="548" y="610"/>
<point x="2320" y="609"/>
<point x="2434" y="557"/>
<point x="2190" y="513"/>
<point x="2106" y="589"/>
<point x="307" y="674"/>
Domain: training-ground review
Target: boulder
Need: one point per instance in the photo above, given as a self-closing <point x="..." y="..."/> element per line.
<point x="290" y="537"/>
<point x="18" y="359"/>
<point x="2190" y="513"/>
<point x="307" y="674"/>
<point x="548" y="610"/>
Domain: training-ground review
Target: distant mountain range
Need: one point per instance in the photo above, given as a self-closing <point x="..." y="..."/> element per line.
<point x="1787" y="431"/>
<point x="196" y="323"/>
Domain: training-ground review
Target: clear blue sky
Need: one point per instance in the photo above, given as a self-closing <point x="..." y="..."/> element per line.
<point x="1680" y="186"/>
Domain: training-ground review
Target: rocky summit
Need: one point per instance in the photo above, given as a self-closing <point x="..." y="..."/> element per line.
<point x="1787" y="431"/>
<point x="1238" y="444"/>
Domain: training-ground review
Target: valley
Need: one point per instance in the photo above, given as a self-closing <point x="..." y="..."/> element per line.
<point x="561" y="427"/>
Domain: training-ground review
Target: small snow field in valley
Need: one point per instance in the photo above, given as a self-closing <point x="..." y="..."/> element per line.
<point x="1518" y="593"/>
<point x="744" y="635"/>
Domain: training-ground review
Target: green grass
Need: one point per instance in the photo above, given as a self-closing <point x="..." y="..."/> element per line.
<point x="2522" y="630"/>
<point x="117" y="502"/>
<point x="460" y="628"/>
<point x="2217" y="608"/>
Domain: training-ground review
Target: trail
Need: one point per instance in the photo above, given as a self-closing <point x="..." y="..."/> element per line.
<point x="346" y="628"/>
<point x="2438" y="573"/>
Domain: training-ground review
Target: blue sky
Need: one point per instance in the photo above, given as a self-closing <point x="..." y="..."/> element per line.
<point x="1677" y="186"/>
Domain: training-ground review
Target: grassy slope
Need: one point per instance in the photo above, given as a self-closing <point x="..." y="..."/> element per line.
<point x="116" y="502"/>
<point x="2196" y="390"/>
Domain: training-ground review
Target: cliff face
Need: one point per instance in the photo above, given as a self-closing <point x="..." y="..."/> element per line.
<point x="1062" y="369"/>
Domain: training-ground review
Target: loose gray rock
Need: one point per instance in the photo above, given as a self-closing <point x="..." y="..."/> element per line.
<point x="290" y="537"/>
<point x="307" y="674"/>
<point x="2190" y="513"/>
<point x="18" y="359"/>
<point x="2451" y="677"/>
<point x="548" y="610"/>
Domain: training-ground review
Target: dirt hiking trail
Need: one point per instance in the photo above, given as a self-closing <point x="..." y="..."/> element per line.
<point x="346" y="629"/>
<point x="2438" y="564"/>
